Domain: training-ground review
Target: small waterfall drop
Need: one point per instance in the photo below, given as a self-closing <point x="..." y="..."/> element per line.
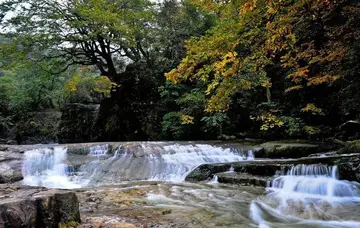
<point x="250" y="155"/>
<point x="304" y="193"/>
<point x="214" y="180"/>
<point x="48" y="168"/>
<point x="319" y="180"/>
<point x="99" y="150"/>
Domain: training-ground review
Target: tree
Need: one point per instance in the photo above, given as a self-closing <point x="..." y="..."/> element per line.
<point x="289" y="49"/>
<point x="105" y="33"/>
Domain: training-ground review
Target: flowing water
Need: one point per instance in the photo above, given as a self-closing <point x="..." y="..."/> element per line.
<point x="303" y="196"/>
<point x="308" y="196"/>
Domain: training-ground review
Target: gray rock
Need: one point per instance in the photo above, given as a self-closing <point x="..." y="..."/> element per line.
<point x="348" y="166"/>
<point x="291" y="149"/>
<point x="10" y="165"/>
<point x="38" y="208"/>
<point x="242" y="179"/>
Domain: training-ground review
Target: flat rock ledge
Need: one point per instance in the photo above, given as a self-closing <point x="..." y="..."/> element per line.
<point x="37" y="207"/>
<point x="261" y="171"/>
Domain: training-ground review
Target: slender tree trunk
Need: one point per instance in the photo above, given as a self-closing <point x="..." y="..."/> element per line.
<point x="268" y="94"/>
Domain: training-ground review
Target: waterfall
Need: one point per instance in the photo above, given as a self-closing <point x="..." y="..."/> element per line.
<point x="304" y="193"/>
<point x="319" y="180"/>
<point x="99" y="150"/>
<point x="157" y="161"/>
<point x="48" y="168"/>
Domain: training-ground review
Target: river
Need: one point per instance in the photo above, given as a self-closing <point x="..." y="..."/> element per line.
<point x="145" y="185"/>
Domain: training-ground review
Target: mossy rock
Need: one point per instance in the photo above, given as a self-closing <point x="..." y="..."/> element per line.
<point x="293" y="149"/>
<point x="352" y="147"/>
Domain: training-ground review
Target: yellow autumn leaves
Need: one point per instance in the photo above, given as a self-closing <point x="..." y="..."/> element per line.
<point x="101" y="84"/>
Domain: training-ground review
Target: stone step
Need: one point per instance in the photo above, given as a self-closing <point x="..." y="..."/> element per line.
<point x="242" y="179"/>
<point x="37" y="207"/>
<point x="348" y="167"/>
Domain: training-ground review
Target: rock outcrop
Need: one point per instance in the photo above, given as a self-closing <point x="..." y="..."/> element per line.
<point x="10" y="165"/>
<point x="291" y="149"/>
<point x="37" y="207"/>
<point x="348" y="167"/>
<point x="77" y="122"/>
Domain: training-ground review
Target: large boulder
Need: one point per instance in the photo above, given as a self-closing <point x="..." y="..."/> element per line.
<point x="10" y="165"/>
<point x="288" y="149"/>
<point x="350" y="130"/>
<point x="348" y="167"/>
<point x="38" y="208"/>
<point x="77" y="122"/>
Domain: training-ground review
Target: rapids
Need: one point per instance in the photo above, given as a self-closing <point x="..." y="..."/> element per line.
<point x="302" y="196"/>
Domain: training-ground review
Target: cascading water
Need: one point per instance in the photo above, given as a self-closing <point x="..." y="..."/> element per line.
<point x="141" y="161"/>
<point x="307" y="195"/>
<point x="155" y="161"/>
<point x="99" y="150"/>
<point x="48" y="168"/>
<point x="303" y="196"/>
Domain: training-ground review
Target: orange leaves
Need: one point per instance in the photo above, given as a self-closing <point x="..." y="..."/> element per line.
<point x="322" y="79"/>
<point x="299" y="74"/>
<point x="248" y="6"/>
<point x="226" y="67"/>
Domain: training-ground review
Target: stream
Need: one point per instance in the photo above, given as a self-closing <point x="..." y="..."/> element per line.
<point x="145" y="185"/>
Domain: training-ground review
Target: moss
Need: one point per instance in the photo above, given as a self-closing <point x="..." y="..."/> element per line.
<point x="356" y="144"/>
<point x="71" y="224"/>
<point x="351" y="148"/>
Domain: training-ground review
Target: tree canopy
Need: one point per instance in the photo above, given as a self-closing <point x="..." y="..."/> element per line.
<point x="104" y="33"/>
<point x="192" y="69"/>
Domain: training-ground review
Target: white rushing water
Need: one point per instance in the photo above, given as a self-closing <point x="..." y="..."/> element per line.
<point x="99" y="150"/>
<point x="157" y="162"/>
<point x="306" y="196"/>
<point x="145" y="161"/>
<point x="302" y="196"/>
<point x="47" y="167"/>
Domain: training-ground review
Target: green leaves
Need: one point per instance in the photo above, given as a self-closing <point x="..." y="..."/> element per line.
<point x="104" y="33"/>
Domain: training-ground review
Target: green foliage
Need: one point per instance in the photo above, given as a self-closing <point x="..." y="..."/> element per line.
<point x="85" y="86"/>
<point x="71" y="224"/>
<point x="192" y="103"/>
<point x="173" y="126"/>
<point x="290" y="66"/>
<point x="215" y="124"/>
<point x="294" y="127"/>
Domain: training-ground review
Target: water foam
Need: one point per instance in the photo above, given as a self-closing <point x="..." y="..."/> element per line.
<point x="306" y="194"/>
<point x="48" y="168"/>
<point x="158" y="162"/>
<point x="99" y="150"/>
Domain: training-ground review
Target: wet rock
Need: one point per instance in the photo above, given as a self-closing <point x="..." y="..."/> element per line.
<point x="290" y="149"/>
<point x="10" y="165"/>
<point x="348" y="166"/>
<point x="10" y="172"/>
<point x="350" y="148"/>
<point x="38" y="208"/>
<point x="18" y="213"/>
<point x="242" y="179"/>
<point x="350" y="130"/>
<point x="166" y="212"/>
